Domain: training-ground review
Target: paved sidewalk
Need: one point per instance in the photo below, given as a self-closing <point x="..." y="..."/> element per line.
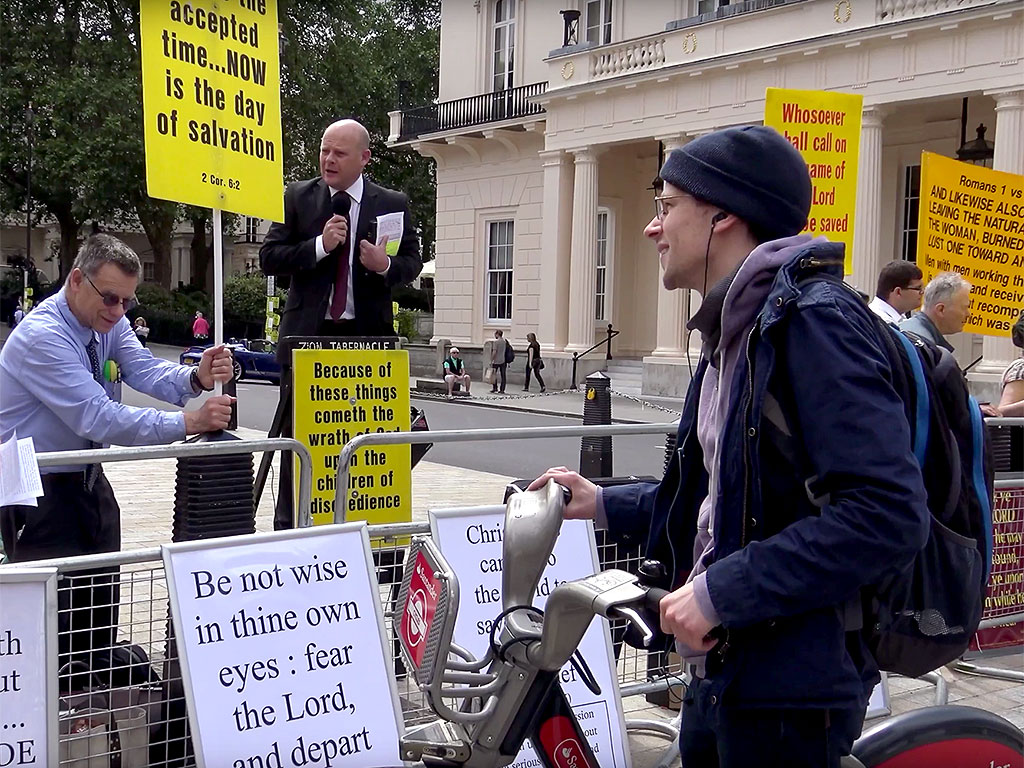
<point x="146" y="493"/>
<point x="626" y="409"/>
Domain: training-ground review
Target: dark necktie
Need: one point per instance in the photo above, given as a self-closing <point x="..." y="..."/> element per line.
<point x="94" y="363"/>
<point x="340" y="203"/>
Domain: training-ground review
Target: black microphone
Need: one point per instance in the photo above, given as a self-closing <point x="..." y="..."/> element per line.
<point x="340" y="204"/>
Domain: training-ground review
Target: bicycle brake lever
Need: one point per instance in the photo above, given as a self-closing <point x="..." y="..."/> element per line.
<point x="631" y="615"/>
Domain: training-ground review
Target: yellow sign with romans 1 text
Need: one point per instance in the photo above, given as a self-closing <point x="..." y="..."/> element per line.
<point x="825" y="128"/>
<point x="211" y="99"/>
<point x="971" y="221"/>
<point x="341" y="393"/>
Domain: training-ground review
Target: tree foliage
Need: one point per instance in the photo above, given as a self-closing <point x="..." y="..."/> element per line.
<point x="77" y="63"/>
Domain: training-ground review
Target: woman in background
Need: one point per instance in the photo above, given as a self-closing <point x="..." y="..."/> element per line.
<point x="533" y="362"/>
<point x="141" y="330"/>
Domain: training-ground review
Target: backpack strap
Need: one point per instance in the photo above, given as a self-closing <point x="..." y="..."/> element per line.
<point x="922" y="404"/>
<point x="978" y="477"/>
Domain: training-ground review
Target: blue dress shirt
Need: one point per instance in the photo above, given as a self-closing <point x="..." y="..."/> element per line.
<point x="47" y="390"/>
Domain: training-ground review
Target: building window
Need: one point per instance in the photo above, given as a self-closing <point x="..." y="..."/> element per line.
<point x="599" y="21"/>
<point x="500" y="236"/>
<point x="710" y="6"/>
<point x="148" y="272"/>
<point x="604" y="238"/>
<point x="503" y="58"/>
<point x="252" y="228"/>
<point x="911" y="206"/>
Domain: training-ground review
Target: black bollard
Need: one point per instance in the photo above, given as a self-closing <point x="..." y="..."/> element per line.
<point x="596" y="452"/>
<point x="213" y="496"/>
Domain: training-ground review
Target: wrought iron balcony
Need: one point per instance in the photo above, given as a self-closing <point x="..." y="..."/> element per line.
<point x="494" y="107"/>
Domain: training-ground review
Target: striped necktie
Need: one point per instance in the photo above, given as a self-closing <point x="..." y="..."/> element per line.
<point x="94" y="362"/>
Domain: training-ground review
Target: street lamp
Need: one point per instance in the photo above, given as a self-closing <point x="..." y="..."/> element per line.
<point x="978" y="151"/>
<point x="28" y="193"/>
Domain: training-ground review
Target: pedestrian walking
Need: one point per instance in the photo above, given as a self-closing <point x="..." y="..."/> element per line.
<point x="534" y="363"/>
<point x="200" y="329"/>
<point x="499" y="361"/>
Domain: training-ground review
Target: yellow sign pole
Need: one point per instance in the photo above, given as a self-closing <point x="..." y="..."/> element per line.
<point x="971" y="221"/>
<point x="825" y="128"/>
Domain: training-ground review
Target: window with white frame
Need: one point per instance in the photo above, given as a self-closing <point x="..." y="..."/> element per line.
<point x="604" y="242"/>
<point x="503" y="50"/>
<point x="500" y="237"/>
<point x="599" y="21"/>
<point x="911" y="208"/>
<point x="252" y="228"/>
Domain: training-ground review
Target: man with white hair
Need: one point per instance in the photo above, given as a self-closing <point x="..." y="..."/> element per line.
<point x="947" y="301"/>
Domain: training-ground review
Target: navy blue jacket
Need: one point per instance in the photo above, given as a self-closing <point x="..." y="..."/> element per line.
<point x="785" y="572"/>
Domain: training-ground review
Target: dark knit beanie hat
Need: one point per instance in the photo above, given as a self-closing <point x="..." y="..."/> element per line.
<point x="752" y="172"/>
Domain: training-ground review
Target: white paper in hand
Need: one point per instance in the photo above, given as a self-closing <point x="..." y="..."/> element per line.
<point x="19" y="473"/>
<point x="392" y="226"/>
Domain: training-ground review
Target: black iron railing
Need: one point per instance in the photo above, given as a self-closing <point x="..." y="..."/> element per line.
<point x="612" y="333"/>
<point x="473" y="110"/>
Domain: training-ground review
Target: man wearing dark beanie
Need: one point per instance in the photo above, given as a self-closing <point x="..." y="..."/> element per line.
<point x="782" y="505"/>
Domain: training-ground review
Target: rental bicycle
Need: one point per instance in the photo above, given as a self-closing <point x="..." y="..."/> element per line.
<point x="488" y="707"/>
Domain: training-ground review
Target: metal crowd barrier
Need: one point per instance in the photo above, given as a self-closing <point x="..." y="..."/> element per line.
<point x="144" y="692"/>
<point x="470" y="435"/>
<point x="141" y="684"/>
<point x="1006" y="548"/>
<point x="121" y="675"/>
<point x="194" y="450"/>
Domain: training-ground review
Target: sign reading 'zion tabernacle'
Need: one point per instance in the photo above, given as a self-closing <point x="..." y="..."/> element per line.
<point x="211" y="98"/>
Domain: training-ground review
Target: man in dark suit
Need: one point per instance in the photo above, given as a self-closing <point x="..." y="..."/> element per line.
<point x="340" y="280"/>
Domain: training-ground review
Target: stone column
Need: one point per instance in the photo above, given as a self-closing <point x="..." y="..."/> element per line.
<point x="583" y="273"/>
<point x="557" y="244"/>
<point x="998" y="351"/>
<point x="868" y="217"/>
<point x="673" y="306"/>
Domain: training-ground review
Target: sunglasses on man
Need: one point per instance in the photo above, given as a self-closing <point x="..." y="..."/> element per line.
<point x="112" y="299"/>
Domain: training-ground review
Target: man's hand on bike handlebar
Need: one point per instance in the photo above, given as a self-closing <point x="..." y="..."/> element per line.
<point x="583" y="505"/>
<point x="681" y="616"/>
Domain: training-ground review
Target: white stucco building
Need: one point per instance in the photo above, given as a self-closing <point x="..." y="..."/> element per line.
<point x="546" y="152"/>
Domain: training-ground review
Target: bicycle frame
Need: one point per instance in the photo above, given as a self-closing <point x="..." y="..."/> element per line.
<point x="514" y="692"/>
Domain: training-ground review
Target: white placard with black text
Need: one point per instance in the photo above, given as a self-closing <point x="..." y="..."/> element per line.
<point x="470" y="540"/>
<point x="281" y="639"/>
<point x="28" y="666"/>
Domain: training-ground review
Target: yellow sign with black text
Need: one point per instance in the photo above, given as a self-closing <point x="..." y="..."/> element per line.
<point x="971" y="221"/>
<point x="825" y="129"/>
<point x="211" y="99"/>
<point x="339" y="394"/>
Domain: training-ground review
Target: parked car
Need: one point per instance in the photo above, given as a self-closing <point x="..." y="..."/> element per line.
<point x="253" y="358"/>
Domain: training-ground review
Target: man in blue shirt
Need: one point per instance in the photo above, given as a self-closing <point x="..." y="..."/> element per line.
<point x="58" y="386"/>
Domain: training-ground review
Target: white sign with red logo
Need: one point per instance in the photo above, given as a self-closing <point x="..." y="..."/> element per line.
<point x="470" y="540"/>
<point x="419" y="608"/>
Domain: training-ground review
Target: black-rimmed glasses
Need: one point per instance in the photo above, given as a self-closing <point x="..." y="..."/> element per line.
<point x="112" y="299"/>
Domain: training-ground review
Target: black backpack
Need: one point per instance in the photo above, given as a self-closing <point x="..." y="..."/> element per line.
<point x="922" y="617"/>
<point x="510" y="354"/>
